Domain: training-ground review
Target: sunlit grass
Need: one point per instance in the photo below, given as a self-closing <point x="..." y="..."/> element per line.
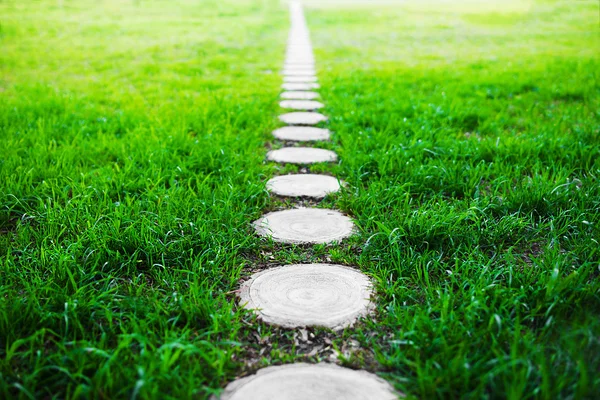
<point x="133" y="139"/>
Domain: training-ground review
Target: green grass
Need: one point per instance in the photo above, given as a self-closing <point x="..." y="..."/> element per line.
<point x="133" y="139"/>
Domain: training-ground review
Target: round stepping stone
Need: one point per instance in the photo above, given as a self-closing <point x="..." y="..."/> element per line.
<point x="301" y="133"/>
<point x="298" y="72"/>
<point x="291" y="296"/>
<point x="300" y="86"/>
<point x="301" y="155"/>
<point x="299" y="79"/>
<point x="302" y="118"/>
<point x="299" y="65"/>
<point x="299" y="95"/>
<point x="310" y="381"/>
<point x="301" y="104"/>
<point x="305" y="225"/>
<point x="299" y="50"/>
<point x="299" y="58"/>
<point x="303" y="185"/>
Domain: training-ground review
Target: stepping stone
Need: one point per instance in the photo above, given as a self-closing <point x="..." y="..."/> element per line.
<point x="302" y="133"/>
<point x="291" y="296"/>
<point x="303" y="185"/>
<point x="302" y="118"/>
<point x="298" y="65"/>
<point x="320" y="381"/>
<point x="299" y="79"/>
<point x="301" y="155"/>
<point x="305" y="225"/>
<point x="299" y="54"/>
<point x="299" y="49"/>
<point x="299" y="59"/>
<point x="300" y="86"/>
<point x="298" y="72"/>
<point x="300" y="95"/>
<point x="301" y="104"/>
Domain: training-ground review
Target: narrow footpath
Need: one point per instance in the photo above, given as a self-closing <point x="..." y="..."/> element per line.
<point x="306" y="295"/>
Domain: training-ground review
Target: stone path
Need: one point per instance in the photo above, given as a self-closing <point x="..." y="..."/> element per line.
<point x="301" y="133"/>
<point x="301" y="155"/>
<point x="303" y="185"/>
<point x="309" y="381"/>
<point x="305" y="225"/>
<point x="300" y="95"/>
<point x="306" y="295"/>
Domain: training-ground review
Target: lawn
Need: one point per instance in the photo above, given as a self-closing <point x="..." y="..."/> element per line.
<point x="133" y="135"/>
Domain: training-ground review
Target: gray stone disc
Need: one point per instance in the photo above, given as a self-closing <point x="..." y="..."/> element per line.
<point x="305" y="225"/>
<point x="300" y="95"/>
<point x="299" y="65"/>
<point x="291" y="296"/>
<point x="301" y="104"/>
<point x="302" y="133"/>
<point x="300" y="79"/>
<point x="303" y="185"/>
<point x="302" y="381"/>
<point x="299" y="60"/>
<point x="298" y="72"/>
<point x="302" y="118"/>
<point x="301" y="155"/>
<point x="300" y="86"/>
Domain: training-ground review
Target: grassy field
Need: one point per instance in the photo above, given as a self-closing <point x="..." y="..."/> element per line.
<point x="133" y="137"/>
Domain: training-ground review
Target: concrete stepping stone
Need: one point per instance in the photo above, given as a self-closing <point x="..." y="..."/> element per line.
<point x="302" y="118"/>
<point x="299" y="59"/>
<point x="301" y="155"/>
<point x="305" y="225"/>
<point x="320" y="381"/>
<point x="299" y="79"/>
<point x="325" y="295"/>
<point x="302" y="133"/>
<point x="289" y="72"/>
<point x="300" y="86"/>
<point x="299" y="51"/>
<point x="299" y="95"/>
<point x="301" y="104"/>
<point x="303" y="185"/>
<point x="298" y="65"/>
